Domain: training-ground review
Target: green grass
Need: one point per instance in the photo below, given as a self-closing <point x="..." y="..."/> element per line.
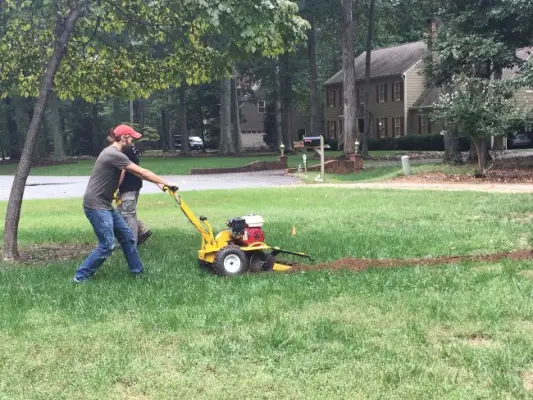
<point x="375" y="174"/>
<point x="173" y="165"/>
<point x="453" y="332"/>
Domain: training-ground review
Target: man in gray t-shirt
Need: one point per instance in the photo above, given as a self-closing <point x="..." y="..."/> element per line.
<point x="97" y="203"/>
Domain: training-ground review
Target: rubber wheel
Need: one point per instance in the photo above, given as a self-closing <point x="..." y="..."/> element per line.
<point x="268" y="265"/>
<point x="204" y="265"/>
<point x="230" y="261"/>
<point x="260" y="261"/>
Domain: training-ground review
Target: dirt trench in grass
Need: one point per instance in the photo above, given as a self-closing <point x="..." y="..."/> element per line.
<point x="359" y="264"/>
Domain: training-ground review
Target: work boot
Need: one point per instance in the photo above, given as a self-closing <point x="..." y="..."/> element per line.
<point x="144" y="237"/>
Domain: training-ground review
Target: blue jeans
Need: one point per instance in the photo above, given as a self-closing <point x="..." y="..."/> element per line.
<point x="107" y="224"/>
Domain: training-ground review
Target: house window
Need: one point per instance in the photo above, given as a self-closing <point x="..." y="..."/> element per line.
<point x="424" y="126"/>
<point x="382" y="127"/>
<point x="361" y="95"/>
<point x="397" y="127"/>
<point x="331" y="98"/>
<point x="397" y="91"/>
<point x="261" y="106"/>
<point x="331" y="130"/>
<point x="382" y="93"/>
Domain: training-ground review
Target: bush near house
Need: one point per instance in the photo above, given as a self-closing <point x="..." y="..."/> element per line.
<point x="432" y="142"/>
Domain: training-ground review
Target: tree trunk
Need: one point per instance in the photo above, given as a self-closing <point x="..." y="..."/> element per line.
<point x="277" y="99"/>
<point x="481" y="147"/>
<point x="369" y="38"/>
<point x="132" y="113"/>
<point x="315" y="112"/>
<point x="286" y="97"/>
<point x="183" y="122"/>
<point x="452" y="153"/>
<point x="163" y="116"/>
<point x="12" y="129"/>
<point x="474" y="151"/>
<point x="55" y="126"/>
<point x="348" y="67"/>
<point x="63" y="30"/>
<point x="171" y="145"/>
<point x="235" y="116"/>
<point x="226" y="145"/>
<point x="97" y="139"/>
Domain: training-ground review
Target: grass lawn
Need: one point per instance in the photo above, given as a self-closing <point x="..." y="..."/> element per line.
<point x="172" y="165"/>
<point x="452" y="332"/>
<point x="374" y="174"/>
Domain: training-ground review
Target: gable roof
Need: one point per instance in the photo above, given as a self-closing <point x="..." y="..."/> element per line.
<point x="523" y="54"/>
<point x="429" y="96"/>
<point x="388" y="61"/>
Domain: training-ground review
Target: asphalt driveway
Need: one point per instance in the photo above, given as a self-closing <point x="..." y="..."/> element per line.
<point x="53" y="187"/>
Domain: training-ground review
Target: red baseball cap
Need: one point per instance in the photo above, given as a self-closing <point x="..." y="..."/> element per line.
<point x="126" y="130"/>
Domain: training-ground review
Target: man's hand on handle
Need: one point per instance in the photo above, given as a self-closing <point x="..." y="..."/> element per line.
<point x="170" y="187"/>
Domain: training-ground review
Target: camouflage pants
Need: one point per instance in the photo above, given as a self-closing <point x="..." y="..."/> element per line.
<point x="128" y="209"/>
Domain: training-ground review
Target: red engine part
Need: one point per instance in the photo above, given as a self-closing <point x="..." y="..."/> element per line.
<point x="252" y="235"/>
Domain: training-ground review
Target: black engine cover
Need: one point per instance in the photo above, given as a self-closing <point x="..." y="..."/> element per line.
<point x="237" y="226"/>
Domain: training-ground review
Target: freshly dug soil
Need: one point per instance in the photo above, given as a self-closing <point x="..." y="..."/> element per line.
<point x="359" y="264"/>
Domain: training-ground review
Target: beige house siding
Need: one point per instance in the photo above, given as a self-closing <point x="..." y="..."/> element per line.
<point x="414" y="84"/>
<point x="334" y="108"/>
<point x="388" y="109"/>
<point x="524" y="98"/>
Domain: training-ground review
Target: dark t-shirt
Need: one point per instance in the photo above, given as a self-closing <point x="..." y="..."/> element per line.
<point x="131" y="183"/>
<point x="105" y="178"/>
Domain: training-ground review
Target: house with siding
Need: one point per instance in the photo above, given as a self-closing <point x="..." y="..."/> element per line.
<point x="397" y="98"/>
<point x="253" y="112"/>
<point x="399" y="102"/>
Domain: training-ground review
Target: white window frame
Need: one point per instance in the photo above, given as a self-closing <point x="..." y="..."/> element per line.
<point x="382" y="93"/>
<point x="259" y="106"/>
<point x="331" y="98"/>
<point x="382" y="129"/>
<point x="361" y="95"/>
<point x="397" y="126"/>
<point x="397" y="90"/>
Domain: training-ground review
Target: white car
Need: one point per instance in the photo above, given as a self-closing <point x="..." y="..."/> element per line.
<point x="196" y="143"/>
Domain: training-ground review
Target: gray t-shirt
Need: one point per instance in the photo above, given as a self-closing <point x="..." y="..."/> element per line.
<point x="105" y="178"/>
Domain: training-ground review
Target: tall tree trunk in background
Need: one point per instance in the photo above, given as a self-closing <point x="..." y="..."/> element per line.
<point x="452" y="152"/>
<point x="55" y="127"/>
<point x="498" y="140"/>
<point x="63" y="31"/>
<point x="12" y="129"/>
<point x="226" y="145"/>
<point x="236" y="120"/>
<point x="348" y="67"/>
<point x="183" y="122"/>
<point x="117" y="114"/>
<point x="277" y="99"/>
<point x="97" y="137"/>
<point x="163" y="138"/>
<point x="286" y="99"/>
<point x="171" y="143"/>
<point x="315" y="109"/>
<point x="132" y="113"/>
<point x="369" y="38"/>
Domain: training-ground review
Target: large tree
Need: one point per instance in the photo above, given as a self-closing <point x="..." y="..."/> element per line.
<point x="348" y="67"/>
<point x="480" y="39"/>
<point x="125" y="48"/>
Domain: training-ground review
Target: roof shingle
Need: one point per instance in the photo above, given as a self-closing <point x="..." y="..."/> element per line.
<point x="388" y="61"/>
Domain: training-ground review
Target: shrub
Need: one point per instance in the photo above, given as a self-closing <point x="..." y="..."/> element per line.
<point x="431" y="142"/>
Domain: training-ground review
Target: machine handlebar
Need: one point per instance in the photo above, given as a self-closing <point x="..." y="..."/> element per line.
<point x="170" y="188"/>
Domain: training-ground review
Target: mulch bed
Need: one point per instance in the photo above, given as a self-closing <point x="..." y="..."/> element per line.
<point x="514" y="175"/>
<point x="359" y="264"/>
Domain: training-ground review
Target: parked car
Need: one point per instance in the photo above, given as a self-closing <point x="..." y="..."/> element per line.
<point x="195" y="142"/>
<point x="522" y="140"/>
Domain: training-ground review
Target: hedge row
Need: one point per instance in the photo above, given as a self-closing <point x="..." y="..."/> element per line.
<point x="433" y="142"/>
